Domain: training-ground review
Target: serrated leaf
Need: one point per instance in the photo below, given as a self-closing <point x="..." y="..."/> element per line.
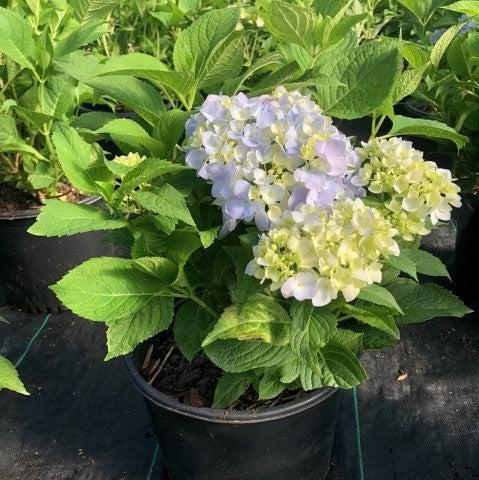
<point x="144" y="172"/>
<point x="426" y="263"/>
<point x="311" y="329"/>
<point x="260" y="318"/>
<point x="424" y="302"/>
<point x="16" y="39"/>
<point x="443" y="43"/>
<point x="81" y="167"/>
<point x="58" y="94"/>
<point x="124" y="334"/>
<point x="242" y="355"/>
<point x="107" y="289"/>
<point x="9" y="377"/>
<point x="467" y="7"/>
<point x="413" y="54"/>
<point x="364" y="75"/>
<point x="59" y="218"/>
<point x="208" y="237"/>
<point x="230" y="387"/>
<point x="289" y="23"/>
<point x="348" y="339"/>
<point x="10" y="140"/>
<point x="379" y="296"/>
<point x="270" y="385"/>
<point x="425" y="128"/>
<point x="88" y="9"/>
<point x="192" y="324"/>
<point x="132" y="93"/>
<point x="165" y="200"/>
<point x="404" y="264"/>
<point x="83" y="35"/>
<point x="169" y="128"/>
<point x="162" y="268"/>
<point x="382" y="320"/>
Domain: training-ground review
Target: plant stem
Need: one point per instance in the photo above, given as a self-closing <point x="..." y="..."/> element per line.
<point x="203" y="305"/>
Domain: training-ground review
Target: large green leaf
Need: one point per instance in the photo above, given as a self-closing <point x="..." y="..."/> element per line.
<point x="195" y="44"/>
<point x="423" y="302"/>
<point x="169" y="128"/>
<point x="9" y="378"/>
<point x="443" y="43"/>
<point x="59" y="218"/>
<point x="242" y="355"/>
<point x="58" y="94"/>
<point x="124" y="334"/>
<point x="10" y="140"/>
<point x="16" y="39"/>
<point x="270" y="385"/>
<point x="107" y="289"/>
<point x="423" y="127"/>
<point x="144" y="172"/>
<point x="260" y="318"/>
<point x="311" y="329"/>
<point x="82" y="168"/>
<point x="230" y="387"/>
<point x="379" y="296"/>
<point x="376" y="317"/>
<point x="192" y="324"/>
<point x="132" y="93"/>
<point x="165" y="200"/>
<point x="403" y="263"/>
<point x="364" y="77"/>
<point x="289" y="23"/>
<point x="83" y="35"/>
<point x="467" y="7"/>
<point x="88" y="9"/>
<point x="426" y="263"/>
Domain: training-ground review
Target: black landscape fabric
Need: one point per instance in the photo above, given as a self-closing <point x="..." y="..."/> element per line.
<point x="418" y="412"/>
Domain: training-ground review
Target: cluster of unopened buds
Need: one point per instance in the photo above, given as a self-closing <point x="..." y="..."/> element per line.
<point x="279" y="161"/>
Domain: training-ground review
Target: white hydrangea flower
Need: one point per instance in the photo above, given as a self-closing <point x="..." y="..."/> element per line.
<point x="413" y="189"/>
<point x="265" y="155"/>
<point x="315" y="254"/>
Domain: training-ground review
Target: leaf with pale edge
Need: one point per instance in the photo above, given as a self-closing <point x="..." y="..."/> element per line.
<point x="377" y="317"/>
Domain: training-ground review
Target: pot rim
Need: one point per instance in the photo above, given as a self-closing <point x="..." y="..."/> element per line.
<point x="34" y="212"/>
<point x="223" y="416"/>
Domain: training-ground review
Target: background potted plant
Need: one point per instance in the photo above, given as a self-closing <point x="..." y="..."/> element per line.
<point x="35" y="94"/>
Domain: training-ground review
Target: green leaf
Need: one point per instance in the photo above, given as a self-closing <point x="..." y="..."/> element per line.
<point x="329" y="8"/>
<point x="88" y="9"/>
<point x="260" y="318"/>
<point x="124" y="334"/>
<point x="230" y="388"/>
<point x="195" y="44"/>
<point x="58" y="94"/>
<point x="10" y="140"/>
<point x="413" y="54"/>
<point x="375" y="317"/>
<point x="467" y="7"/>
<point x="59" y="218"/>
<point x="423" y="302"/>
<point x="9" y="378"/>
<point x="169" y="129"/>
<point x="132" y="93"/>
<point x="80" y="166"/>
<point x="127" y="130"/>
<point x="341" y="367"/>
<point x="379" y="296"/>
<point x="83" y="35"/>
<point x="311" y="329"/>
<point x="181" y="244"/>
<point x="403" y="263"/>
<point x="161" y="268"/>
<point x="364" y="76"/>
<point x="418" y="8"/>
<point x="16" y="39"/>
<point x="165" y="200"/>
<point x="238" y="356"/>
<point x="107" y="289"/>
<point x="422" y="127"/>
<point x="192" y="324"/>
<point x="426" y="263"/>
<point x="289" y="23"/>
<point x="348" y="339"/>
<point x="270" y="385"/>
<point x="443" y="43"/>
<point x="144" y="172"/>
<point x="208" y="237"/>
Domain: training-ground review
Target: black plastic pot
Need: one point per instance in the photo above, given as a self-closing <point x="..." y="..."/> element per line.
<point x="467" y="252"/>
<point x="288" y="442"/>
<point x="29" y="264"/>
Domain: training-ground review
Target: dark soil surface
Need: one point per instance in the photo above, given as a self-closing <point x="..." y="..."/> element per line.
<point x="13" y="199"/>
<point x="193" y="383"/>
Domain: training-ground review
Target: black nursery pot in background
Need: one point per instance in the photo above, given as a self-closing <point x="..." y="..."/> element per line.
<point x="288" y="442"/>
<point x="467" y="250"/>
<point x="29" y="264"/>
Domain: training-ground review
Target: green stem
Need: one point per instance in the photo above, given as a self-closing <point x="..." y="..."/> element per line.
<point x="203" y="305"/>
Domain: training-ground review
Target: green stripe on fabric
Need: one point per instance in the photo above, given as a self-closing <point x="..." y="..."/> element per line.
<point x="359" y="447"/>
<point x="32" y="340"/>
<point x="154" y="460"/>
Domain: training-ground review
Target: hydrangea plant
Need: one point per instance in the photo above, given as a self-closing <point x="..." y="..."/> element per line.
<point x="292" y="249"/>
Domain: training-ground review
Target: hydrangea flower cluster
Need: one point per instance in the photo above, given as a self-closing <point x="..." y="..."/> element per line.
<point x="412" y="189"/>
<point x="267" y="155"/>
<point x="315" y="255"/>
